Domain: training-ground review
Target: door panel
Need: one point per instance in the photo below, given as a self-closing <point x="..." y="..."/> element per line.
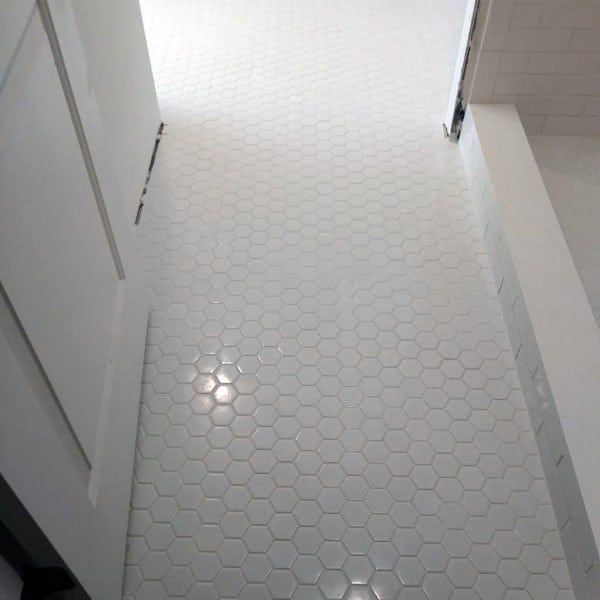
<point x="115" y="90"/>
<point x="60" y="276"/>
<point x="12" y="24"/>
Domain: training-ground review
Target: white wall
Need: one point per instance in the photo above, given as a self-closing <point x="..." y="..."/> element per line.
<point x="544" y="57"/>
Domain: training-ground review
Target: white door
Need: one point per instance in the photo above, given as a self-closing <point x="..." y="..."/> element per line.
<point x="72" y="315"/>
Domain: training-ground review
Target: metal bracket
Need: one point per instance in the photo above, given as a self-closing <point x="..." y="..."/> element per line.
<point x="159" y="134"/>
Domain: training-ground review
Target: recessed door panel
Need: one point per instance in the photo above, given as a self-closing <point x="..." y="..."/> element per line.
<point x="114" y="89"/>
<point x="12" y="24"/>
<point x="55" y="262"/>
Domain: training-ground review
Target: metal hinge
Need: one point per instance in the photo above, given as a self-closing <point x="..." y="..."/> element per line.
<point x="159" y="134"/>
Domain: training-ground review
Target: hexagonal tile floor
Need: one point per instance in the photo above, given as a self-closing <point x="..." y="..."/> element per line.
<point x="330" y="406"/>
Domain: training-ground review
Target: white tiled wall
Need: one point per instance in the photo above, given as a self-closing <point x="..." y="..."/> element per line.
<point x="544" y="57"/>
<point x="541" y="397"/>
<point x="569" y="167"/>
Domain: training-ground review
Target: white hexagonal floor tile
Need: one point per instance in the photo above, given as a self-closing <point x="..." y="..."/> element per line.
<point x="328" y="409"/>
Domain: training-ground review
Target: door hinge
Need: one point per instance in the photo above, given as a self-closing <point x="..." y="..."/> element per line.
<point x="159" y="134"/>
